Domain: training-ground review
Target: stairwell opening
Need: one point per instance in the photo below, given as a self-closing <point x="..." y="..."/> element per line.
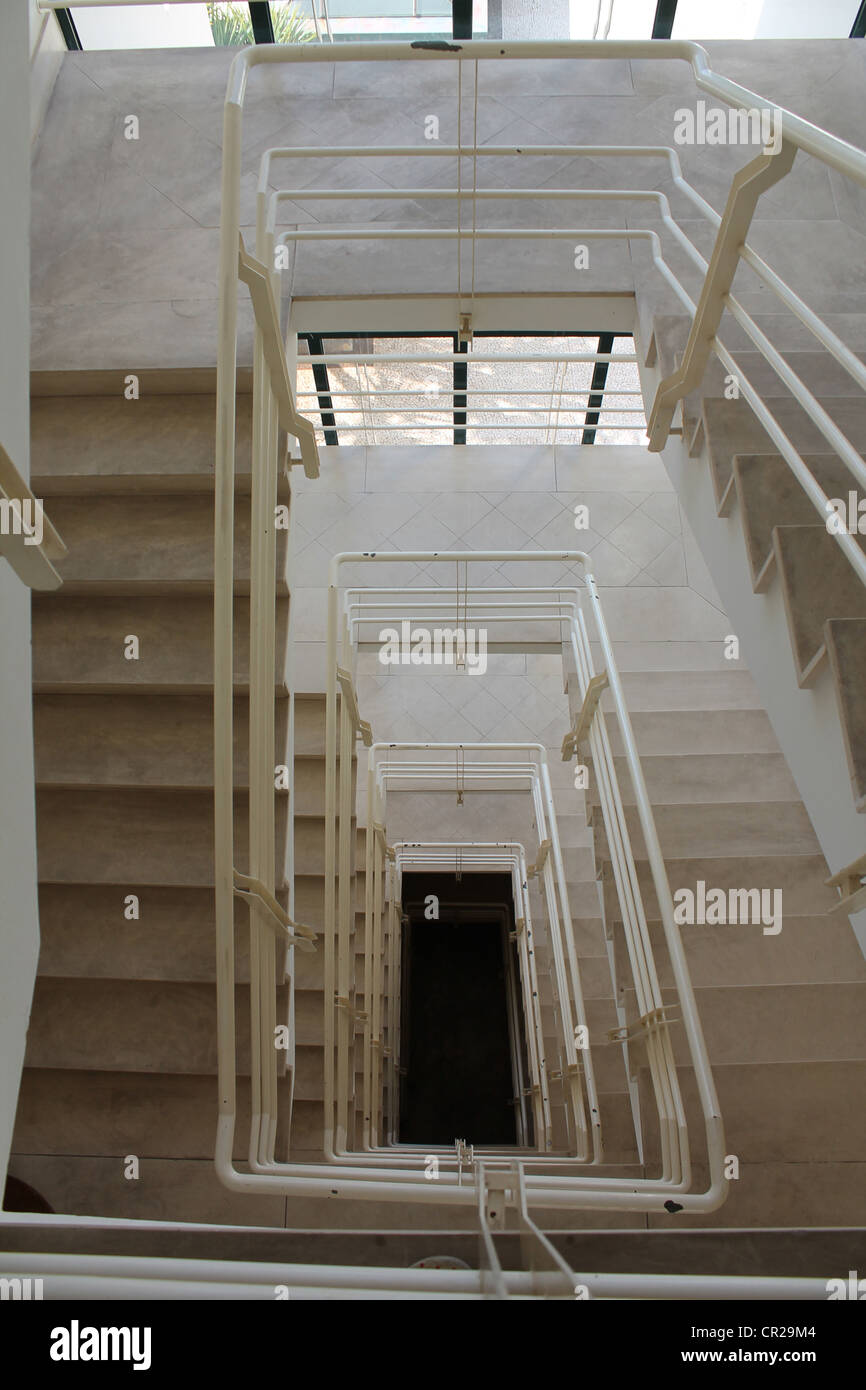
<point x="462" y="1047"/>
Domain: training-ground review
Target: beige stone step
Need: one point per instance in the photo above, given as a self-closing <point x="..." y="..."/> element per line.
<point x="131" y="1025"/>
<point x="800" y="1111"/>
<point x="164" y="540"/>
<point x="145" y="836"/>
<point x="127" y="740"/>
<point x="660" y="732"/>
<point x="776" y="1195"/>
<point x="820" y="373"/>
<point x="792" y="338"/>
<point x="310" y="725"/>
<point x="817" y="583"/>
<point x="688" y="778"/>
<point x="770" y="496"/>
<point x="158" y="433"/>
<point x="79" y="643"/>
<point x="149" y="1114"/>
<point x="668" y="691"/>
<point x="777" y="1023"/>
<point x="729" y="428"/>
<point x="704" y="829"/>
<point x="806" y="949"/>
<point x="84" y="932"/>
<point x="801" y="876"/>
<point x="845" y="640"/>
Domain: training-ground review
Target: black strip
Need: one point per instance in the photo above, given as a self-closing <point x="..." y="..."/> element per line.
<point x="459" y="385"/>
<point x="597" y="385"/>
<point x="322" y="384"/>
<point x="461" y="19"/>
<point x="69" y="31"/>
<point x="663" y="24"/>
<point x="858" y="30"/>
<point x="263" y="25"/>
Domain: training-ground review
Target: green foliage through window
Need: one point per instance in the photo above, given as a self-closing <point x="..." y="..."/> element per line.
<point x="231" y="25"/>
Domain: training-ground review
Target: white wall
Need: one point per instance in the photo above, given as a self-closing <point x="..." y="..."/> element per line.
<point x="46" y="54"/>
<point x="19" y="926"/>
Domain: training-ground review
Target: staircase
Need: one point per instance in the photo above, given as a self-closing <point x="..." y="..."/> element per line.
<point x="121" y="1055"/>
<point x="118" y="1103"/>
<point x="786" y="546"/>
<point x="783" y="1014"/>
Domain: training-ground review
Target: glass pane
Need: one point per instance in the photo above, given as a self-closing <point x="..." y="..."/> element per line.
<point x="554" y="396"/>
<point x="632" y="19"/>
<point x="506" y="402"/>
<point x="764" y="19"/>
<point x="293" y="22"/>
<point x="387" y="403"/>
<point x="148" y="26"/>
<point x="347" y="20"/>
<point x="803" y="19"/>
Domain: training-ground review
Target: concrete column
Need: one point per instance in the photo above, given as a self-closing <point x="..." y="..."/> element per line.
<point x="19" y="925"/>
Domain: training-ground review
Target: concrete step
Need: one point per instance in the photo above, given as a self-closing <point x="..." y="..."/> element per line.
<point x="817" y="583"/>
<point x="800" y="876"/>
<point x="769" y="495"/>
<point x="820" y="373"/>
<point x="696" y="778"/>
<point x="661" y="732"/>
<point x="79" y="643"/>
<point x="780" y="1111"/>
<point x="775" y="1195"/>
<point x="149" y="1114"/>
<point x="143" y="836"/>
<point x="777" y="1023"/>
<point x="845" y="641"/>
<point x="791" y="338"/>
<point x="85" y="933"/>
<point x="132" y="1025"/>
<point x="703" y="829"/>
<point x="109" y="435"/>
<point x="117" y="542"/>
<point x="729" y="429"/>
<point x="673" y="691"/>
<point x="130" y="741"/>
<point x="806" y="949"/>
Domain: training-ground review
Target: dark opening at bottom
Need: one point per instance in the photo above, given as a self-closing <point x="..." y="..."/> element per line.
<point x="456" y="1043"/>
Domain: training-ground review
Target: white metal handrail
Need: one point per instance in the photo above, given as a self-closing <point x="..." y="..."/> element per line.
<point x="835" y="153"/>
<point x="731" y="247"/>
<point x="86" y="1276"/>
<point x="676" y="1174"/>
<point x="566" y="972"/>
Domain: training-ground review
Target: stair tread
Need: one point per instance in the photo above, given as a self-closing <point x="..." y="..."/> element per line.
<point x="817" y="583"/>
